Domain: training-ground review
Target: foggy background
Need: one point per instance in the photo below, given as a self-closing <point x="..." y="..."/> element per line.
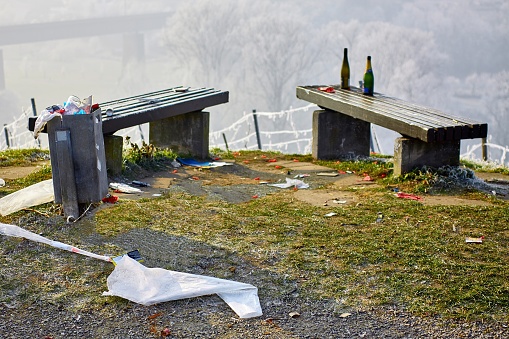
<point x="451" y="55"/>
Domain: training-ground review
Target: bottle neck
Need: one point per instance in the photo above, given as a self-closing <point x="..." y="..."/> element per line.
<point x="368" y="65"/>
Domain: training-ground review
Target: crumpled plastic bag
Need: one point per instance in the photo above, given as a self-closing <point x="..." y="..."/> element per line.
<point x="34" y="195"/>
<point x="292" y="183"/>
<point x="147" y="286"/>
<point x="42" y="120"/>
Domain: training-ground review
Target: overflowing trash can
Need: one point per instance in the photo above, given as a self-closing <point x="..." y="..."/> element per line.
<point x="78" y="160"/>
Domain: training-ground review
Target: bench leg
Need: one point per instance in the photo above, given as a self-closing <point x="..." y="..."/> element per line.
<point x="186" y="133"/>
<point x="410" y="153"/>
<point x="337" y="135"/>
<point x="113" y="146"/>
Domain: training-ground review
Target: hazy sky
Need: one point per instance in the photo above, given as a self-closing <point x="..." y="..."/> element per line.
<point x="261" y="50"/>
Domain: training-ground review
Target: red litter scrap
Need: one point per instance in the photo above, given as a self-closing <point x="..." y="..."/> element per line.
<point x="110" y="199"/>
<point x="272" y="160"/>
<point x="407" y="196"/>
<point x="327" y="89"/>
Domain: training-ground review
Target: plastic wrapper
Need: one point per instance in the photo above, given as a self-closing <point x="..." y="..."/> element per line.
<point x="292" y="183"/>
<point x="42" y="120"/>
<point x="147" y="286"/>
<point x="16" y="231"/>
<point x="72" y="105"/>
<point x="34" y="195"/>
<point x="124" y="188"/>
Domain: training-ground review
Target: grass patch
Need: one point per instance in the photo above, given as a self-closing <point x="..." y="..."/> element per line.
<point x="22" y="157"/>
<point x="485" y="167"/>
<point x="413" y="258"/>
<point x="145" y="157"/>
<point x="417" y="258"/>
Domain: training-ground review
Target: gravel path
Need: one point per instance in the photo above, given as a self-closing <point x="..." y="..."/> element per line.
<point x="209" y="317"/>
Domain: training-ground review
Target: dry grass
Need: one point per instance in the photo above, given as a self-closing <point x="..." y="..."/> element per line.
<point x="417" y="258"/>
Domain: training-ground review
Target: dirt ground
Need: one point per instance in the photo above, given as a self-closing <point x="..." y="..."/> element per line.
<point x="208" y="317"/>
<point x="327" y="187"/>
<point x="249" y="179"/>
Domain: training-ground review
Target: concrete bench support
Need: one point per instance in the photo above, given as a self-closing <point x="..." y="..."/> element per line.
<point x="410" y="153"/>
<point x="113" y="147"/>
<point x="337" y="135"/>
<point x="185" y="133"/>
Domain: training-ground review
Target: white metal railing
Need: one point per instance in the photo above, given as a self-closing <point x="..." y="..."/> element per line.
<point x="293" y="134"/>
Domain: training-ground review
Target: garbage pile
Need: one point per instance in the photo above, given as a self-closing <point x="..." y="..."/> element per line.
<point x="72" y="106"/>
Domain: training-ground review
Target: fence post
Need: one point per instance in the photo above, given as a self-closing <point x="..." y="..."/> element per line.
<point x="7" y="136"/>
<point x="34" y="112"/>
<point x="484" y="150"/>
<point x="226" y="143"/>
<point x="257" y="130"/>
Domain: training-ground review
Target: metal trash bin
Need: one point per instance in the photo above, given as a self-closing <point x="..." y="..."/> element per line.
<point x="78" y="160"/>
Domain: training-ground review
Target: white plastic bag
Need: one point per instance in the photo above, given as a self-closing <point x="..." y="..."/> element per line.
<point x="16" y="231"/>
<point x="34" y="195"/>
<point x="42" y="120"/>
<point x="72" y="105"/>
<point x="124" y="188"/>
<point x="292" y="183"/>
<point x="75" y="105"/>
<point x="147" y="286"/>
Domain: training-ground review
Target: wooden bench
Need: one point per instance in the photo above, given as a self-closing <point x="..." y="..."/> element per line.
<point x="175" y="116"/>
<point x="342" y="128"/>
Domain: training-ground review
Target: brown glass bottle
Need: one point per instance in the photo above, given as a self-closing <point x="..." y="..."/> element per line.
<point x="345" y="71"/>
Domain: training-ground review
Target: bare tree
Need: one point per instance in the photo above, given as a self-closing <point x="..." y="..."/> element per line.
<point x="203" y="40"/>
<point x="281" y="50"/>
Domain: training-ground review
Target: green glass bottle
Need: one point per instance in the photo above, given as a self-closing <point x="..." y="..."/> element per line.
<point x="345" y="71"/>
<point x="369" y="79"/>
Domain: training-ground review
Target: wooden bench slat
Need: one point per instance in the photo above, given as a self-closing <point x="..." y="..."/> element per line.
<point x="154" y="100"/>
<point x="361" y="109"/>
<point x="138" y="114"/>
<point x="163" y="91"/>
<point x="401" y="111"/>
<point x="464" y="128"/>
<point x="395" y="112"/>
<point x="409" y="119"/>
<point x="153" y="106"/>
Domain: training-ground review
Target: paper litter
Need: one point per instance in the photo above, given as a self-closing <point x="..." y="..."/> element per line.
<point x="292" y="183"/>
